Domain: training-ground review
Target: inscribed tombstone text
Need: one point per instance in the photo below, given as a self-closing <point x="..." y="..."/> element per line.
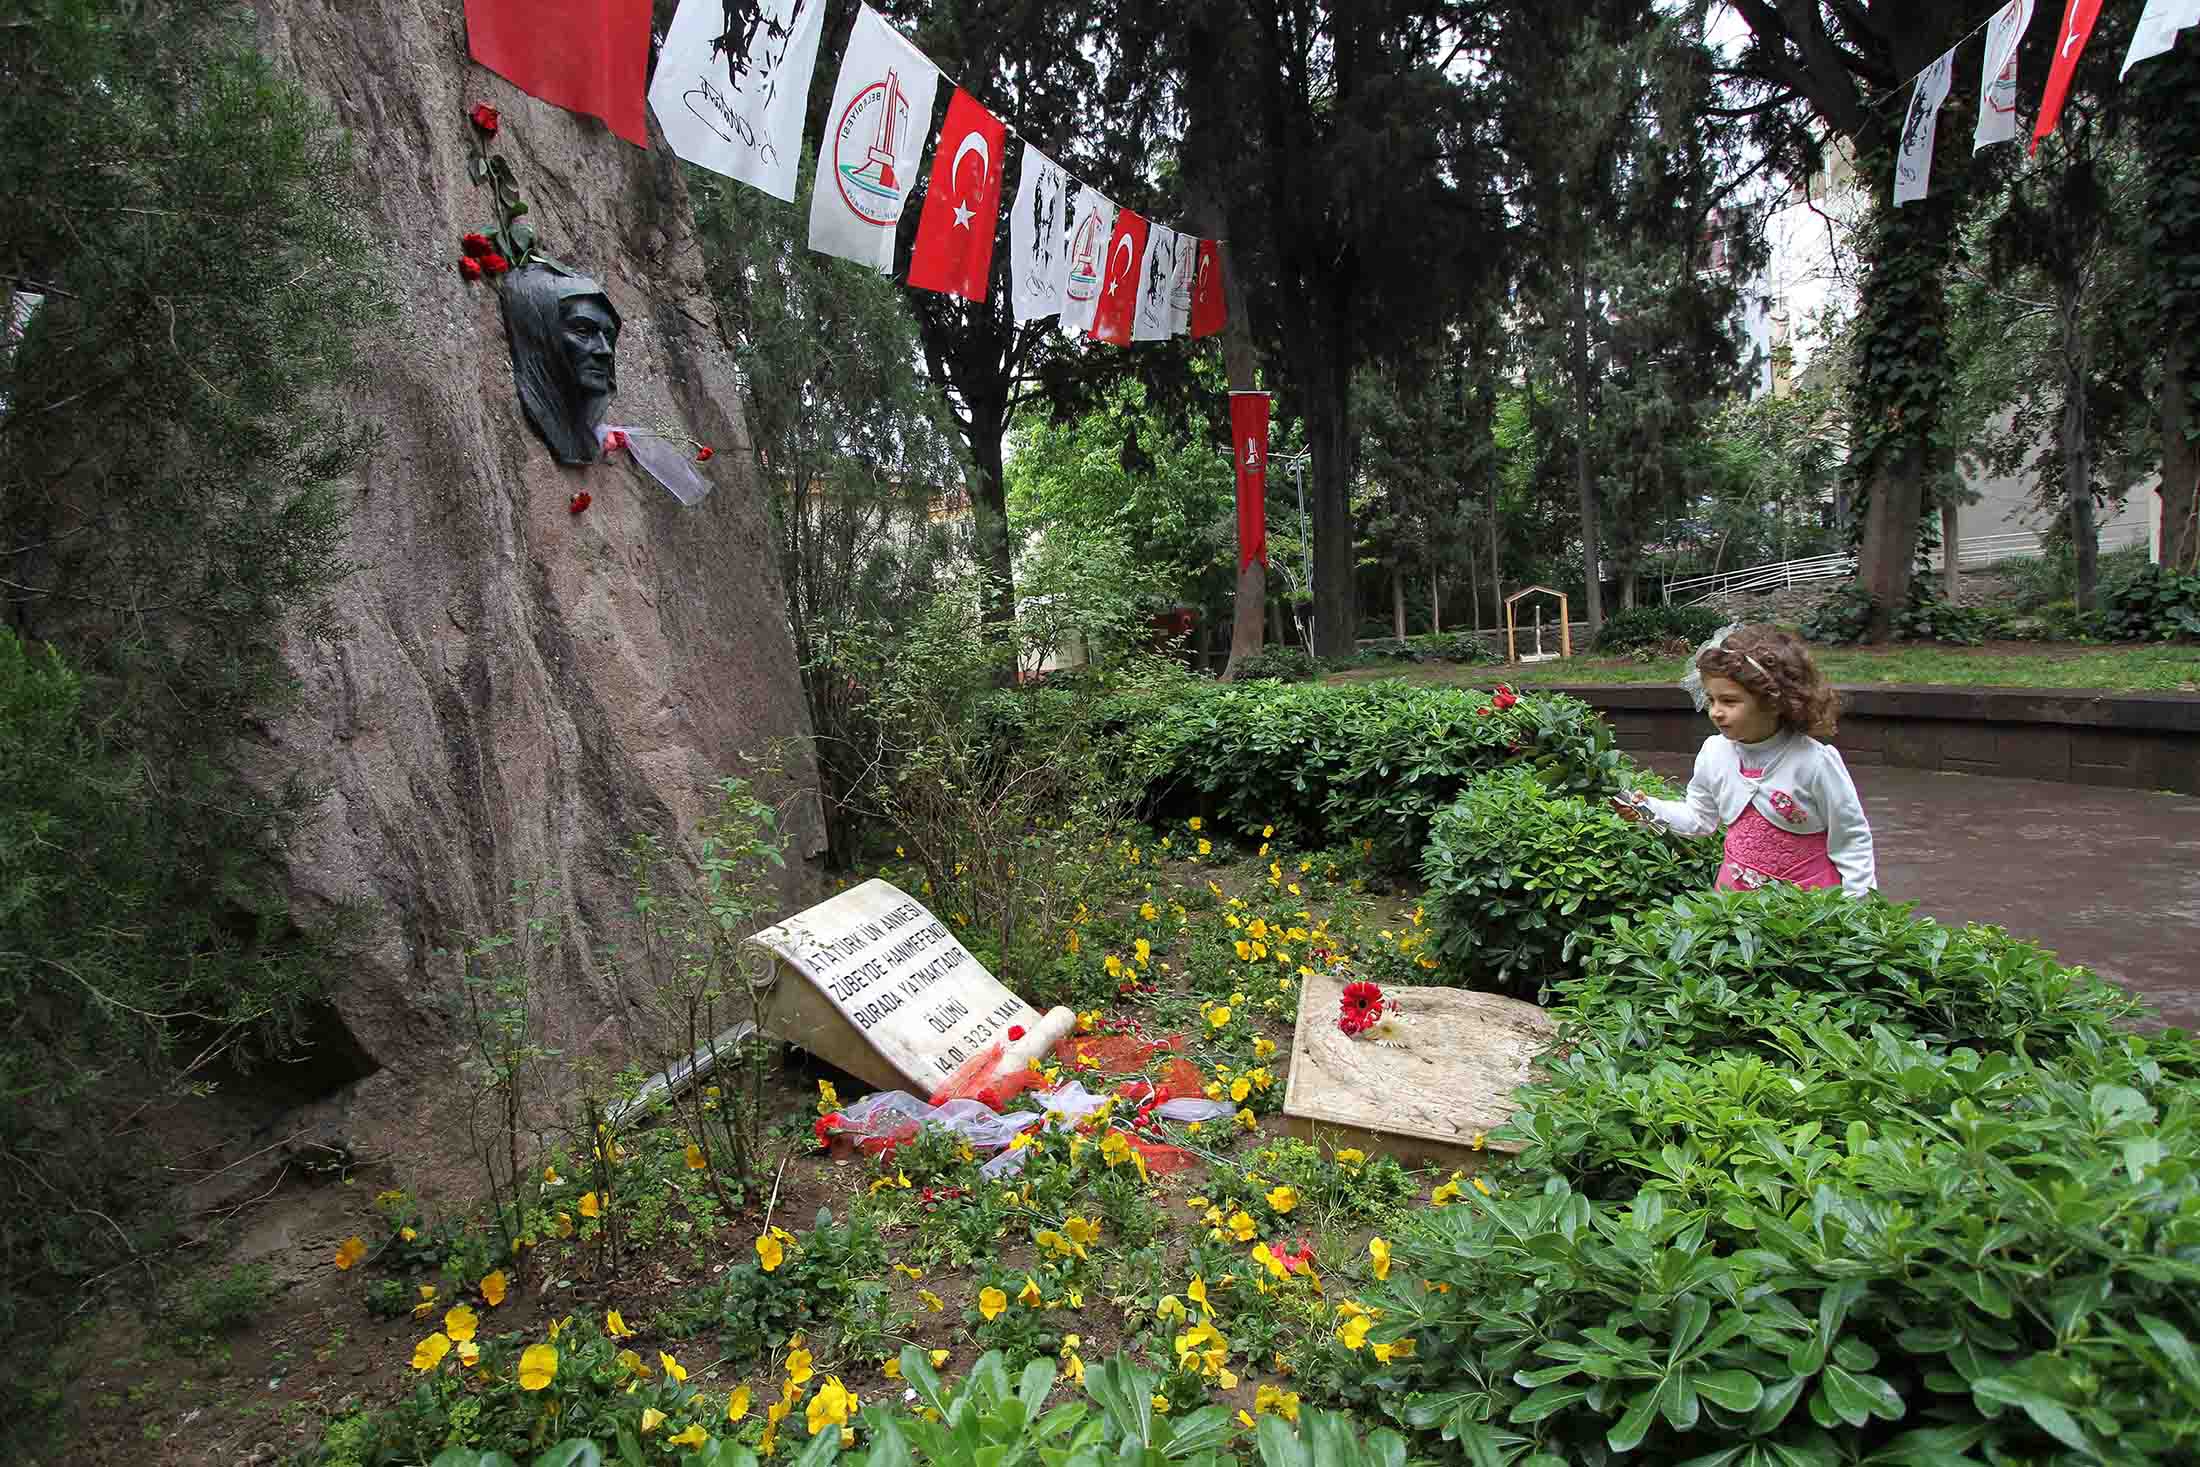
<point x="904" y="987"/>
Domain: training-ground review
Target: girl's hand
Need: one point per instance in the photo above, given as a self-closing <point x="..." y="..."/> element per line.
<point x="1629" y="806"/>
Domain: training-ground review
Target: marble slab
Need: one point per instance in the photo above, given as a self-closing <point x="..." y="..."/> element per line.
<point x="873" y="982"/>
<point x="1446" y="1074"/>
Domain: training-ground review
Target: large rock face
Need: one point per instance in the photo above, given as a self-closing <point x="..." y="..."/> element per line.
<point x="517" y="688"/>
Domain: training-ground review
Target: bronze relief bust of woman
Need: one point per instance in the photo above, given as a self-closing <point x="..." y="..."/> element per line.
<point x="564" y="333"/>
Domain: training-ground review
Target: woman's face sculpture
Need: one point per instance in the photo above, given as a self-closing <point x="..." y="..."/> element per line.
<point x="564" y="332"/>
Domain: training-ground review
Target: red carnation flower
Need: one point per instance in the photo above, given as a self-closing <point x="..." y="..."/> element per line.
<point x="614" y="440"/>
<point x="1505" y="696"/>
<point x="469" y="269"/>
<point x="702" y="456"/>
<point x="1360" y="1007"/>
<point x="495" y="263"/>
<point x="579" y="503"/>
<point x="824" y="1126"/>
<point x="485" y="118"/>
<point x="1015" y="1031"/>
<point x="477" y="245"/>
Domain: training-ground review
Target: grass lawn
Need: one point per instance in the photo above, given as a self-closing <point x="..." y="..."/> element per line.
<point x="2149" y="668"/>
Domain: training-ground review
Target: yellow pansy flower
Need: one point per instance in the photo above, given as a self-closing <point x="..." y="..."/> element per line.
<point x="538" y="1366"/>
<point x="652" y="1418"/>
<point x="694" y="1436"/>
<point x="737" y="1404"/>
<point x="991" y="1302"/>
<point x="1379" y="1250"/>
<point x="460" y="1324"/>
<point x="429" y="1353"/>
<point x="1283" y="1199"/>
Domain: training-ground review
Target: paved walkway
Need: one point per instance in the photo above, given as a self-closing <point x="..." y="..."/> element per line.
<point x="2108" y="878"/>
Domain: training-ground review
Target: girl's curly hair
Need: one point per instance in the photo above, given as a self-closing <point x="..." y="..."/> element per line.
<point x="1775" y="666"/>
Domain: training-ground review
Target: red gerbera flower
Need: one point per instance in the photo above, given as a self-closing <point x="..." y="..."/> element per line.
<point x="614" y="440"/>
<point x="1505" y="696"/>
<point x="579" y="503"/>
<point x="485" y="117"/>
<point x="1015" y="1031"/>
<point x="824" y="1126"/>
<point x="702" y="455"/>
<point x="495" y="263"/>
<point x="1360" y="1007"/>
<point x="477" y="245"/>
<point x="469" y="269"/>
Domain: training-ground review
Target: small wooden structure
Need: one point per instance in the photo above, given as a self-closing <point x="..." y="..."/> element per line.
<point x="1565" y="625"/>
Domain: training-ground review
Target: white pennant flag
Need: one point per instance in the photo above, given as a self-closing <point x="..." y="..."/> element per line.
<point x="1156" y="286"/>
<point x="1092" y="221"/>
<point x="1913" y="167"/>
<point x="874" y="135"/>
<point x="1997" y="87"/>
<point x="730" y="97"/>
<point x="2159" y="24"/>
<point x="1038" y="237"/>
<point x="1180" y="288"/>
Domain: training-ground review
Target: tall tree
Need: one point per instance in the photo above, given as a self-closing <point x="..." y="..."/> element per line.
<point x="1836" y="65"/>
<point x="2161" y="92"/>
<point x="1337" y="138"/>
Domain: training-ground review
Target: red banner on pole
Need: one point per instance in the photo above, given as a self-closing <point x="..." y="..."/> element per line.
<point x="954" y="249"/>
<point x="1111" y="321"/>
<point x="1249" y="442"/>
<point x="2077" y="29"/>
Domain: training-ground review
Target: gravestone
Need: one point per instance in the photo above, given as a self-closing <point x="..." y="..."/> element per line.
<point x="1445" y="1074"/>
<point x="872" y="982"/>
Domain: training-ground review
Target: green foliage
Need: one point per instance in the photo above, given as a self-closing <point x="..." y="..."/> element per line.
<point x="171" y="437"/>
<point x="1654" y="626"/>
<point x="211" y="1305"/>
<point x="1462" y="647"/>
<point x="1278" y="662"/>
<point x="1520" y="878"/>
<point x="2151" y="604"/>
<point x="1927" y="618"/>
<point x="1845" y="615"/>
<point x="1814" y="1180"/>
<point x="1360" y="763"/>
<point x="831" y="1280"/>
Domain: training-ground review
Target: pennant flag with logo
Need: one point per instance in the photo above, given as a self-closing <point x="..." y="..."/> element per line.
<point x="2077" y="29"/>
<point x="1997" y="89"/>
<point x="1180" y="284"/>
<point x="587" y="56"/>
<point x="1249" y="439"/>
<point x="1913" y="166"/>
<point x="2159" y="24"/>
<point x="1210" y="309"/>
<point x="1092" y="225"/>
<point x="730" y="98"/>
<point x="874" y="135"/>
<point x="1038" y="237"/>
<point x="1117" y="309"/>
<point x="1156" y="285"/>
<point x="954" y="249"/>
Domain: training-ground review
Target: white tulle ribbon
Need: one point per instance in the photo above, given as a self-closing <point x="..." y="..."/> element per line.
<point x="661" y="459"/>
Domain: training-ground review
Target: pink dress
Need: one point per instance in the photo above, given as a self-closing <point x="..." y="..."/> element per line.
<point x="1757" y="851"/>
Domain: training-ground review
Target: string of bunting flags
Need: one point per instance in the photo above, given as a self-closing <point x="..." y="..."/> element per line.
<point x="730" y="90"/>
<point x="2156" y="33"/>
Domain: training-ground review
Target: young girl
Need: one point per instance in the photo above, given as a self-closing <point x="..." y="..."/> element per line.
<point x="1786" y="800"/>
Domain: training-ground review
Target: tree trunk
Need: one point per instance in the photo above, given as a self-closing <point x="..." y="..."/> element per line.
<point x="989" y="508"/>
<point x="1329" y="436"/>
<point x="1397" y="603"/>
<point x="2077" y="446"/>
<point x="1585" y="483"/>
<point x="2180" y="489"/>
<point x="1951" y="554"/>
<point x="1435" y="605"/>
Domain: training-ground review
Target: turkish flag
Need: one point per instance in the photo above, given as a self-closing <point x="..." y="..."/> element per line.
<point x="1249" y="445"/>
<point x="1118" y="307"/>
<point x="587" y="56"/>
<point x="954" y="251"/>
<point x="2077" y="29"/>
<point x="1210" y="311"/>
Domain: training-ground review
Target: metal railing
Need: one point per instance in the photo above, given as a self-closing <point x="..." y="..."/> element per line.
<point x="1978" y="550"/>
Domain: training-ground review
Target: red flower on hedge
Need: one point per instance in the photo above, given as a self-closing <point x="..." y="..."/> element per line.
<point x="469" y="268"/>
<point x="1360" y="1007"/>
<point x="825" y="1126"/>
<point x="1015" y="1031"/>
<point x="495" y="263"/>
<point x="485" y="118"/>
<point x="1506" y="697"/>
<point x="702" y="456"/>
<point x="579" y="503"/>
<point x="477" y="245"/>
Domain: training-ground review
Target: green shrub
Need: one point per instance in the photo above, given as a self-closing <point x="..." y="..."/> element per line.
<point x="832" y="1278"/>
<point x="1651" y="626"/>
<point x="1280" y="661"/>
<point x="1338" y="764"/>
<point x="1520" y="877"/>
<point x="1813" y="1180"/>
<point x="1843" y="616"/>
<point x="2151" y="605"/>
<point x="1462" y="647"/>
<point x="1928" y="618"/>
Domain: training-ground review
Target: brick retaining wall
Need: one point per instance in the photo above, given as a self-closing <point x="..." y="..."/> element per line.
<point x="2128" y="740"/>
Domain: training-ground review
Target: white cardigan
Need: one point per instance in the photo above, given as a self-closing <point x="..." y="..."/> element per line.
<point x="1802" y="787"/>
